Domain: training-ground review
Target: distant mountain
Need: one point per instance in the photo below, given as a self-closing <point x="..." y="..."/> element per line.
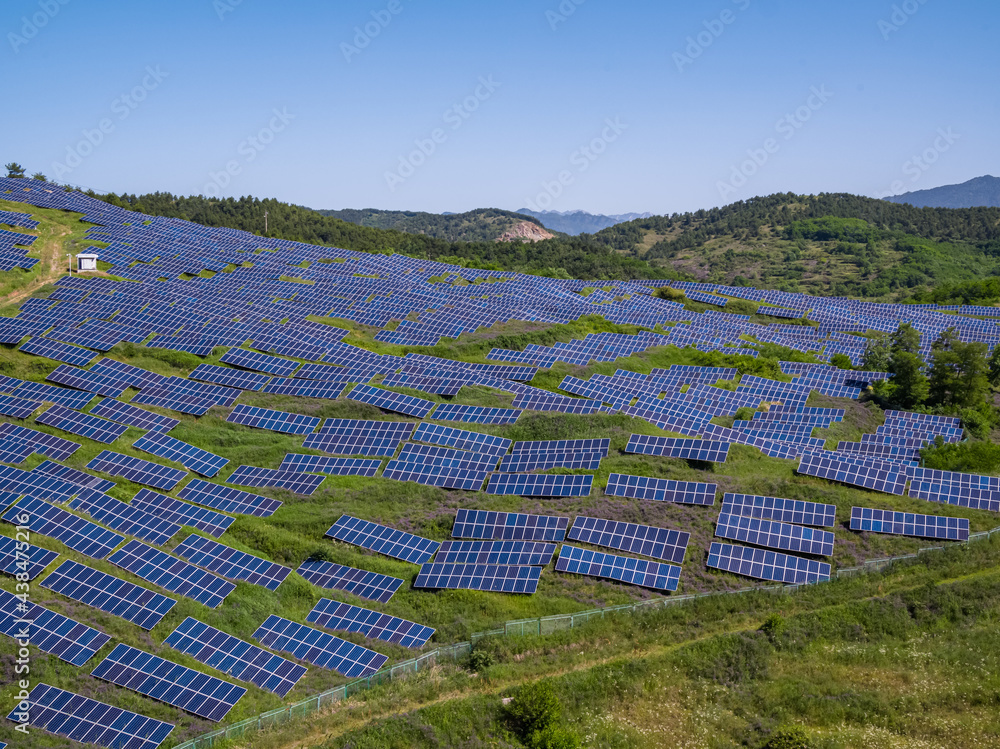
<point x="480" y="225"/>
<point x="580" y="222"/>
<point x="978" y="192"/>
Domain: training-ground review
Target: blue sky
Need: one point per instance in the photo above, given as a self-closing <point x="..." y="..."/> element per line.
<point x="448" y="106"/>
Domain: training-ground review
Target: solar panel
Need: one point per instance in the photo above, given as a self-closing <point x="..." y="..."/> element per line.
<point x="446" y="456"/>
<point x="305" y="388"/>
<point x="382" y="539"/>
<point x="18" y="408"/>
<point x="173" y="510"/>
<point x="137" y="470"/>
<point x="521" y="462"/>
<point x="512" y="526"/>
<point x="132" y="376"/>
<point x="174" y="401"/>
<point x="785" y="510"/>
<point x="91" y="382"/>
<point x="293" y="481"/>
<point x="909" y="524"/>
<point x="551" y="446"/>
<point x="469" y="478"/>
<point x="230" y="563"/>
<point x="343" y="444"/>
<point x="191" y="457"/>
<point x="373" y="624"/>
<point x="366" y="428"/>
<point x="662" y="490"/>
<point x="362" y="583"/>
<point x="774" y="534"/>
<point x="475" y="414"/>
<point x="14" y="451"/>
<point x="227" y="499"/>
<point x="257" y="362"/>
<point x="276" y="421"/>
<point x="389" y="401"/>
<point x="642" y="572"/>
<point x="135" y="604"/>
<point x="77" y="533"/>
<point x="125" y="413"/>
<point x="235" y="657"/>
<point x="22" y="559"/>
<point x="874" y="476"/>
<point x="460" y="439"/>
<point x="516" y="553"/>
<point x="672" y="447"/>
<point x="647" y="540"/>
<point x="124" y="518"/>
<point x="169" y="682"/>
<point x="88" y="721"/>
<point x="539" y="485"/>
<point x="42" y="392"/>
<point x="489" y="577"/>
<point x="319" y="648"/>
<point x="85" y="425"/>
<point x="764" y="564"/>
<point x="235" y="378"/>
<point x="48" y="445"/>
<point x="62" y="352"/>
<point x="48" y="631"/>
<point x="330" y="466"/>
<point x="28" y="482"/>
<point x="73" y="476"/>
<point x="172" y="574"/>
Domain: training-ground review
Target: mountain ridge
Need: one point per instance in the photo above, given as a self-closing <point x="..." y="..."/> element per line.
<point x="580" y="222"/>
<point x="979" y="192"/>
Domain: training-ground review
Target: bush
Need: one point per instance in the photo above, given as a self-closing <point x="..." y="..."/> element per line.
<point x="534" y="708"/>
<point x="730" y="660"/>
<point x="791" y="737"/>
<point x="553" y="737"/>
<point x="744" y="414"/>
<point x="842" y="361"/>
<point x="965" y="457"/>
<point x="979" y="422"/>
<point x="773" y="626"/>
<point x="480" y="659"/>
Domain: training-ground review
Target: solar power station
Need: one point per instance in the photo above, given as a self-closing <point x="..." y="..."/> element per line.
<point x="368" y="585"/>
<point x="346" y="618"/>
<point x="48" y="631"/>
<point x="641" y="572"/>
<point x="661" y="490"/>
<point x="497" y="578"/>
<point x="766" y="565"/>
<point x="382" y="539"/>
<point x="509" y="526"/>
<point x="909" y="524"/>
<point x="319" y="648"/>
<point x="230" y="563"/>
<point x="172" y="574"/>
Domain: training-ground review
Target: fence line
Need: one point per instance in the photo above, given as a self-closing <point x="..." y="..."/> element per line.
<point x="537" y="626"/>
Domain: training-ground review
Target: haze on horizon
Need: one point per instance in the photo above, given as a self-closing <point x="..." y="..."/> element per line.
<point x="548" y="104"/>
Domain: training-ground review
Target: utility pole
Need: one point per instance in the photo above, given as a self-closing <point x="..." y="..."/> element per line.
<point x="265" y="223"/>
<point x="70" y="256"/>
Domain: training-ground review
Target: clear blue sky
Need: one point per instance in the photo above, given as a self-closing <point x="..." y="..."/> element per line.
<point x="686" y="116"/>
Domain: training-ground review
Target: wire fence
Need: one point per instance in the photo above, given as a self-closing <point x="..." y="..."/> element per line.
<point x="537" y="626"/>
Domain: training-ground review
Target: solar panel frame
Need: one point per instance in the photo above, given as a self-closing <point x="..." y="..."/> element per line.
<point x="629" y="570"/>
<point x="61" y="352"/>
<point x="74" y="476"/>
<point x="371" y="586"/>
<point x="123" y="517"/>
<point x="137" y="470"/>
<point x="371" y="624"/>
<point x="18" y="408"/>
<point x="87" y="380"/>
<point x="319" y="648"/>
<point x="390" y="401"/>
<point x="23" y="560"/>
<point x="383" y="539"/>
<point x="258" y="362"/>
<point x="674" y="447"/>
<point x="44" y="443"/>
<point x="485" y="577"/>
<point x="232" y="563"/>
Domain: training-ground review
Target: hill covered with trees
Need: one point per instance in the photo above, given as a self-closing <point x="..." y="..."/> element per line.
<point x="480" y="225"/>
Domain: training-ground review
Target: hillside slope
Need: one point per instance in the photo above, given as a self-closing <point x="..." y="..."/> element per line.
<point x="981" y="191"/>
<point x="480" y="225"/>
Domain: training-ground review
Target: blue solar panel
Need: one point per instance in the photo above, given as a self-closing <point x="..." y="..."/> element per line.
<point x="133" y="376"/>
<point x="42" y="392"/>
<point x="553" y="446"/>
<point x="124" y="518"/>
<point x="389" y="401"/>
<point x="539" y="485"/>
<point x="516" y="553"/>
<point x="235" y="657"/>
<point x="257" y="362"/>
<point x="172" y="574"/>
<point x="139" y="471"/>
<point x="48" y="631"/>
<point x="62" y="352"/>
<point x="85" y="425"/>
<point x="384" y="540"/>
<point x="785" y="510"/>
<point x="774" y="534"/>
<point x="235" y="378"/>
<point x="909" y="524"/>
<point x="14" y="451"/>
<point x="763" y="564"/>
<point x="460" y="439"/>
<point x="343" y="444"/>
<point x="330" y="466"/>
<point x="89" y="721"/>
<point x="18" y="408"/>
<point x="644" y="573"/>
<point x="227" y="499"/>
<point x="276" y="421"/>
<point x="366" y="428"/>
<point x="230" y="563"/>
<point x="446" y="456"/>
<point x="305" y="388"/>
<point x="173" y="510"/>
<point x="181" y="402"/>
<point x="74" y="476"/>
<point x="662" y="490"/>
<point x="489" y="577"/>
<point x="521" y="462"/>
<point x="293" y="481"/>
<point x="874" y="476"/>
<point x="46" y="444"/>
<point x="189" y="456"/>
<point x="77" y="533"/>
<point x="91" y="382"/>
<point x="135" y="604"/>
<point x="469" y="477"/>
<point x="319" y="648"/>
<point x="373" y="624"/>
<point x="647" y="540"/>
<point x="475" y="414"/>
<point x="28" y="482"/>
<point x="163" y="680"/>
<point x="671" y="447"/>
<point x="22" y="559"/>
<point x="125" y="413"/>
<point x="513" y="526"/>
<point x="362" y="583"/>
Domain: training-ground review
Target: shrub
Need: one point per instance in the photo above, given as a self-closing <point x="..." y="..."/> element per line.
<point x="965" y="457"/>
<point x="842" y="361"/>
<point x="480" y="659"/>
<point x="534" y="708"/>
<point x="791" y="737"/>
<point x="773" y="626"/>
<point x="744" y="414"/>
<point x="730" y="660"/>
<point x="553" y="737"/>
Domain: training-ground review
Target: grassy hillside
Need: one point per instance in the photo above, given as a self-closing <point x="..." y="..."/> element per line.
<point x="482" y="225"/>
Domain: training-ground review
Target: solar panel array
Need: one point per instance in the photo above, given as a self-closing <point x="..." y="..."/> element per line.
<point x="330" y="466"/>
<point x="77" y="533"/>
<point x="85" y="425"/>
<point x="230" y="563"/>
<point x="876" y="477"/>
<point x="389" y="401"/>
<point x="61" y="352"/>
<point x="362" y="583"/>
<point x="211" y="522"/>
<point x="517" y="553"/>
<point x="475" y="414"/>
<point x="123" y="517"/>
<point x="384" y="540"/>
<point x="662" y="490"/>
<point x="48" y="445"/>
<point x="373" y="624"/>
<point x="172" y="574"/>
<point x="294" y="481"/>
<point x="48" y="631"/>
<point x="177" y="685"/>
<point x="909" y="524"/>
<point x="488" y="577"/>
<point x="647" y="540"/>
<point x="514" y="526"/>
<point x="137" y="470"/>
<point x="774" y="534"/>
<point x="73" y="476"/>
<point x="18" y="408"/>
<point x="21" y="559"/>
<point x="189" y="456"/>
<point x="655" y="575"/>
<point x="227" y="499"/>
<point x="539" y="485"/>
<point x="125" y="413"/>
<point x="84" y="379"/>
<point x="763" y="564"/>
<point x="461" y="439"/>
<point x="784" y="510"/>
<point x="275" y="421"/>
<point x="319" y="648"/>
<point x="673" y="447"/>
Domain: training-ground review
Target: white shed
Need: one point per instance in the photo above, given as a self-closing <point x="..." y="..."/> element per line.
<point x="86" y="261"/>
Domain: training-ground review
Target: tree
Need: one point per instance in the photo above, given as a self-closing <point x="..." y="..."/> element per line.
<point x="14" y="170"/>
<point x="906" y="338"/>
<point x="994" y="374"/>
<point x="878" y="353"/>
<point x="910" y="386"/>
<point x="534" y="707"/>
<point x="39" y="176"/>
<point x="958" y="372"/>
<point x="842" y="361"/>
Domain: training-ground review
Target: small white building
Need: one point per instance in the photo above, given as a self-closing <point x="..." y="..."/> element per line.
<point x="86" y="261"/>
